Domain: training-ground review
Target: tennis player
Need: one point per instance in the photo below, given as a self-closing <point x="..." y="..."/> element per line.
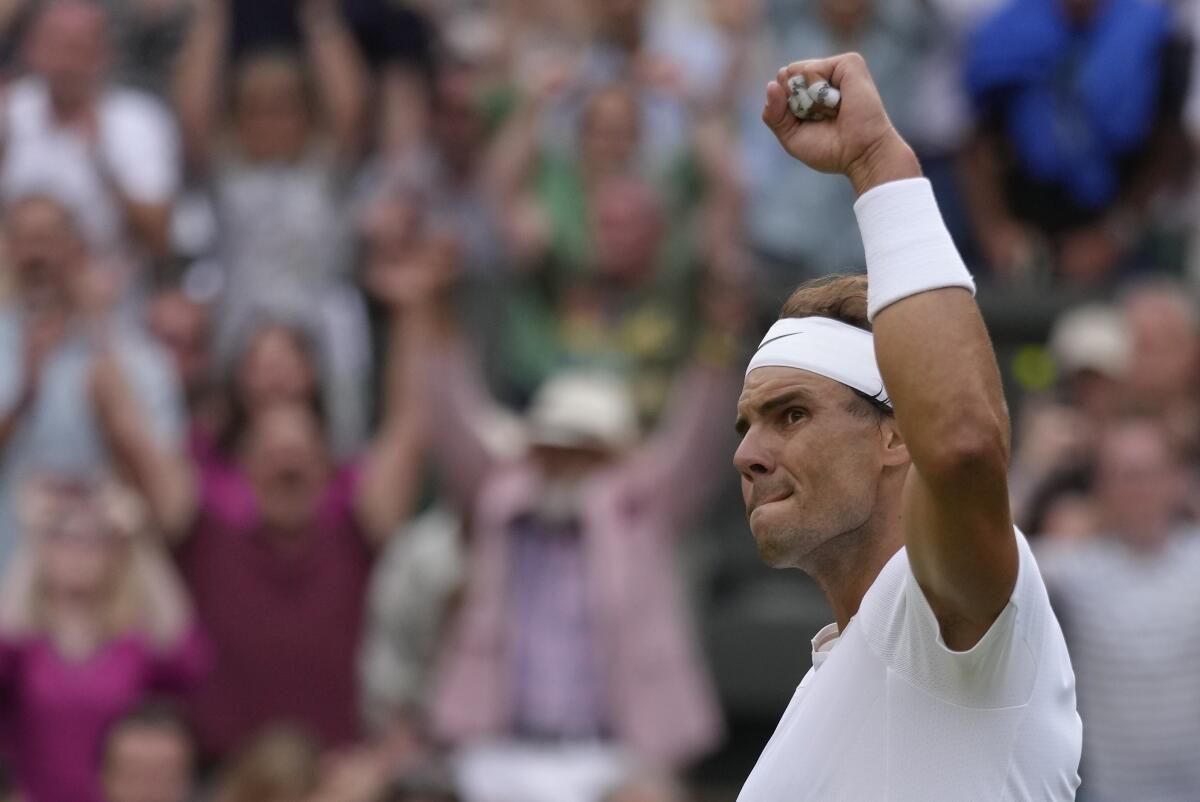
<point x="874" y="456"/>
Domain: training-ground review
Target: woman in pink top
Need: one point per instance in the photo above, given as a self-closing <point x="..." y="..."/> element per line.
<point x="92" y="619"/>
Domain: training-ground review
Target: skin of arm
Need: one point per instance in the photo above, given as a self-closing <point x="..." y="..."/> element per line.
<point x="392" y="473"/>
<point x="199" y="81"/>
<point x="164" y="478"/>
<point x="338" y="73"/>
<point x="937" y="362"/>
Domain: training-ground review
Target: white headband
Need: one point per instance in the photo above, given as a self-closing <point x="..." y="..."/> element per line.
<point x="824" y="346"/>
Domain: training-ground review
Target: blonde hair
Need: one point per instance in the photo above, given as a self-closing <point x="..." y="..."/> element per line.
<point x="47" y="501"/>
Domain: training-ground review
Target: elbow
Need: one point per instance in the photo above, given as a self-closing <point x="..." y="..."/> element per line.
<point x="974" y="446"/>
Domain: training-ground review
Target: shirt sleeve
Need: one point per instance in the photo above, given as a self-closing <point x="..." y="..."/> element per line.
<point x="141" y="145"/>
<point x="998" y="671"/>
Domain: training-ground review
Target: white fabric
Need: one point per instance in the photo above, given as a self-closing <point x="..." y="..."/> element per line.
<point x="136" y="142"/>
<point x="824" y="346"/>
<point x="512" y="771"/>
<point x="889" y="712"/>
<point x="908" y="248"/>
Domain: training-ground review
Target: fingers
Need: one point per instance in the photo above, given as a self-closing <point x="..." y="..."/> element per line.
<point x="775" y="112"/>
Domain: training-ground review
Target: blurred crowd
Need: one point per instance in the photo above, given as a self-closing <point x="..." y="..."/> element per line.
<point x="366" y="367"/>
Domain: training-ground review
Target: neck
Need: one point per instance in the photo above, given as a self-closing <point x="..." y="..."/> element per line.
<point x="625" y="35"/>
<point x="66" y="110"/>
<point x="846" y="566"/>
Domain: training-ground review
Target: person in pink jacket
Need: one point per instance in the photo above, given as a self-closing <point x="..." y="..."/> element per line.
<point x="572" y="658"/>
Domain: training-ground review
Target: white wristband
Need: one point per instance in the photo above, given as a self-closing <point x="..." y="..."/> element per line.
<point x="908" y="248"/>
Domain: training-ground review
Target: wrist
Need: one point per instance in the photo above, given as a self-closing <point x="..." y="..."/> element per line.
<point x="889" y="159"/>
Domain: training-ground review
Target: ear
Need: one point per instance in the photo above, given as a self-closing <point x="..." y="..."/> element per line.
<point x="895" y="452"/>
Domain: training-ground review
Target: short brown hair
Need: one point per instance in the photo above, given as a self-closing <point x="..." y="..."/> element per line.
<point x="840" y="297"/>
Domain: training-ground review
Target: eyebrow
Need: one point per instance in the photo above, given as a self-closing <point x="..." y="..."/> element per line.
<point x="741" y="425"/>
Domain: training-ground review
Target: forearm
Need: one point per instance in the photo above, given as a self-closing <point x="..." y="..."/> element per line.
<point x="11" y="420"/>
<point x="16" y="593"/>
<point x="392" y="472"/>
<point x="198" y="79"/>
<point x="933" y="348"/>
<point x="339" y="73"/>
<point x="982" y="185"/>
<point x="149" y="223"/>
<point x="164" y="478"/>
<point x="511" y="157"/>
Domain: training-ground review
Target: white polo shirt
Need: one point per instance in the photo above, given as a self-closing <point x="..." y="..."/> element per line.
<point x="136" y="140"/>
<point x="888" y="712"/>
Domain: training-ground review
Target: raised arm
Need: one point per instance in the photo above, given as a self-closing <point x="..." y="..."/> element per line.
<point x="679" y="464"/>
<point x="933" y="351"/>
<point x="163" y="477"/>
<point x="392" y="472"/>
<point x="338" y="73"/>
<point x="199" y="80"/>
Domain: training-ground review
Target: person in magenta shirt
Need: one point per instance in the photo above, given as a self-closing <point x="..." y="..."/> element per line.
<point x="92" y="620"/>
<point x="276" y="539"/>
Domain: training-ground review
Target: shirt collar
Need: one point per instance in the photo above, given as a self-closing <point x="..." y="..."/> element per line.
<point x="823" y="643"/>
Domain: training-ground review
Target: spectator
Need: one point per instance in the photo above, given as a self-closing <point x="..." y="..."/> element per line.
<point x="1165" y="363"/>
<point x="283" y="765"/>
<point x="276" y="542"/>
<point x="277" y="362"/>
<point x="277" y="170"/>
<point x="279" y="765"/>
<point x="1092" y="350"/>
<point x="623" y="309"/>
<point x="53" y="331"/>
<point x="67" y="130"/>
<point x="1137" y="671"/>
<point x="149" y="756"/>
<point x="1065" y="161"/>
<point x="93" y="618"/>
<point x="182" y="326"/>
<point x="545" y="686"/>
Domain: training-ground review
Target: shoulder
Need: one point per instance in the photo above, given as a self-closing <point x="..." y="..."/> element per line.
<point x="998" y="671"/>
<point x="25" y="95"/>
<point x="133" y="108"/>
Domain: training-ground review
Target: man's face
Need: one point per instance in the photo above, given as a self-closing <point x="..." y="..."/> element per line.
<point x="609" y="132"/>
<point x="181" y="326"/>
<point x="69" y="49"/>
<point x="287" y="464"/>
<point x="43" y="250"/>
<point x="1165" y="348"/>
<point x="148" y="764"/>
<point x="275" y="369"/>
<point x="1138" y="482"/>
<point x="271" y="114"/>
<point x="627" y="230"/>
<point x="810" y="466"/>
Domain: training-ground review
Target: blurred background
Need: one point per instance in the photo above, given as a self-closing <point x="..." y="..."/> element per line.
<point x="367" y="372"/>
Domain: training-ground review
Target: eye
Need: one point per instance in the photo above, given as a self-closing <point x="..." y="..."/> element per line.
<point x="795" y="415"/>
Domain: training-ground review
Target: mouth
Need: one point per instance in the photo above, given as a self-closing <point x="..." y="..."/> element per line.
<point x="773" y="499"/>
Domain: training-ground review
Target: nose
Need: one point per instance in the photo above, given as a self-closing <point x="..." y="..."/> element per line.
<point x="753" y="457"/>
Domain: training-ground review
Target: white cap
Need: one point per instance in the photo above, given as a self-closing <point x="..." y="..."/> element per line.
<point x="1091" y="337"/>
<point x="583" y="409"/>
